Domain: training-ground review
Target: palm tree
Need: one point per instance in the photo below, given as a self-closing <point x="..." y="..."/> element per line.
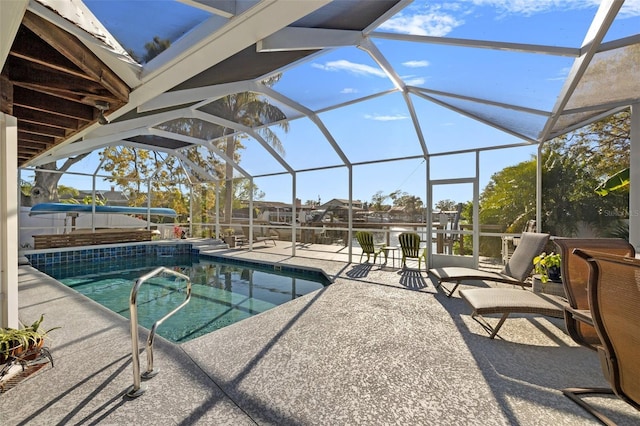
<point x="247" y="109"/>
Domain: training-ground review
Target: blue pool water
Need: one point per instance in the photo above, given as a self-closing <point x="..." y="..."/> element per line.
<point x="222" y="293"/>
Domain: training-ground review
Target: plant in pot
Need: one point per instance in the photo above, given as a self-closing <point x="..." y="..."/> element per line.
<point x="22" y="343"/>
<point x="548" y="266"/>
<point x="12" y="343"/>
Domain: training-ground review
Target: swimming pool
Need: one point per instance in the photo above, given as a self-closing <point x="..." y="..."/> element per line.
<point x="222" y="293"/>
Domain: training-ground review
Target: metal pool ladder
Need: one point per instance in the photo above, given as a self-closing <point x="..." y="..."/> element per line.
<point x="137" y="389"/>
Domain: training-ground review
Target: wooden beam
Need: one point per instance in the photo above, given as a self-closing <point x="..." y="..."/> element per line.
<point x="46" y="80"/>
<point x="41" y="129"/>
<point x="6" y="95"/>
<point x="43" y="102"/>
<point x="78" y="96"/>
<point x="31" y="48"/>
<point x="31" y="149"/>
<point x="32" y="116"/>
<point x="35" y="138"/>
<point x="78" y="53"/>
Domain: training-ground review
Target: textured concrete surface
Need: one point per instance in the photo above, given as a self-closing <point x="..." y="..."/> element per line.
<point x="379" y="346"/>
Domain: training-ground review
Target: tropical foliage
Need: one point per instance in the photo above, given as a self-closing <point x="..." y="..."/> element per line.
<point x="616" y="182"/>
<point x="547" y="265"/>
<point x="572" y="166"/>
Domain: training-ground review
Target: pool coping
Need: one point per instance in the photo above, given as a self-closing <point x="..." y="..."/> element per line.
<point x="276" y="266"/>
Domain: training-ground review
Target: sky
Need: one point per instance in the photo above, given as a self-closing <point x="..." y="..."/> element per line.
<point x="382" y="128"/>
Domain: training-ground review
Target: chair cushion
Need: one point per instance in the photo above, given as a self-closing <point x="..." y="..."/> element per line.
<point x="502" y="300"/>
<point x="521" y="263"/>
<point x="459" y="273"/>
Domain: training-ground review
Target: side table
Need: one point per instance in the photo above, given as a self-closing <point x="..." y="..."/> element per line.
<point x="392" y="250"/>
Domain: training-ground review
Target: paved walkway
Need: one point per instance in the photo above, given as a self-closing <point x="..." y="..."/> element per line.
<point x="377" y="347"/>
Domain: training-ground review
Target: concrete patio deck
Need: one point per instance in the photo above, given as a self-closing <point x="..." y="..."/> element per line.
<point x="380" y="346"/>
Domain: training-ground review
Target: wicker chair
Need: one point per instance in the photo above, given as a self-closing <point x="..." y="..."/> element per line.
<point x="575" y="276"/>
<point x="614" y="299"/>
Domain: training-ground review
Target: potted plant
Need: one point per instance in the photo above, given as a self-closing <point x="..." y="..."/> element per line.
<point x="548" y="266"/>
<point x="11" y="344"/>
<point x="23" y="343"/>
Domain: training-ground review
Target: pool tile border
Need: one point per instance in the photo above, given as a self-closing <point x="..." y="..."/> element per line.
<point x="66" y="258"/>
<point x="43" y="258"/>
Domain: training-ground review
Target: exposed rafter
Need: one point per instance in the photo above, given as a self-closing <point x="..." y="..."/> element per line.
<point x="51" y="82"/>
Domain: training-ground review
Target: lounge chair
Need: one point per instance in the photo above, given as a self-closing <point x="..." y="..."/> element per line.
<point x="505" y="301"/>
<point x="365" y="239"/>
<point x="575" y="310"/>
<point x="410" y="246"/>
<point x="614" y="299"/>
<point x="273" y="236"/>
<point x="509" y="243"/>
<point x="575" y="277"/>
<point x="516" y="271"/>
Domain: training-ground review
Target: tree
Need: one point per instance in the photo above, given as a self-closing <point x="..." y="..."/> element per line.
<point x="589" y="156"/>
<point x="46" y="178"/>
<point x="244" y="191"/>
<point x="377" y="201"/>
<point x="155" y="47"/>
<point x="446" y="205"/>
<point x="412" y="205"/>
<point x="69" y="192"/>
<point x="509" y="198"/>
<point x="251" y="110"/>
<point x="130" y="168"/>
<point x="572" y="166"/>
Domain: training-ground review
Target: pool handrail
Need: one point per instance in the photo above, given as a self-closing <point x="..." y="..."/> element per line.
<point x="137" y="389"/>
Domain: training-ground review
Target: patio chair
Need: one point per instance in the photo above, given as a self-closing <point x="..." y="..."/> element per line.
<point x="614" y="299"/>
<point x="516" y="271"/>
<point x="505" y="301"/>
<point x="575" y="277"/>
<point x="509" y="243"/>
<point x="365" y="239"/>
<point x="410" y="246"/>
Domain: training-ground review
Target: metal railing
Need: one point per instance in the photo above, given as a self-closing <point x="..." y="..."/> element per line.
<point x="137" y="389"/>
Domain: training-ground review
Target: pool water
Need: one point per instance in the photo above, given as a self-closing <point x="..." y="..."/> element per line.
<point x="221" y="294"/>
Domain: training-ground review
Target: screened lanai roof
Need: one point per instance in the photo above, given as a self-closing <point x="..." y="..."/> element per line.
<point x="358" y="81"/>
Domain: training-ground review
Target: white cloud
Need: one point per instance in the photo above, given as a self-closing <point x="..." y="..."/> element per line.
<point x="440" y="19"/>
<point x="377" y="117"/>
<point x="352" y="67"/>
<point x="530" y="7"/>
<point x="414" y="81"/>
<point x="563" y="73"/>
<point x="349" y="90"/>
<point x="416" y="64"/>
<point x="432" y="23"/>
<point x="630" y="8"/>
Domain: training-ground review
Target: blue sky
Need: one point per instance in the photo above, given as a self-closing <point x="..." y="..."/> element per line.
<point x="382" y="127"/>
